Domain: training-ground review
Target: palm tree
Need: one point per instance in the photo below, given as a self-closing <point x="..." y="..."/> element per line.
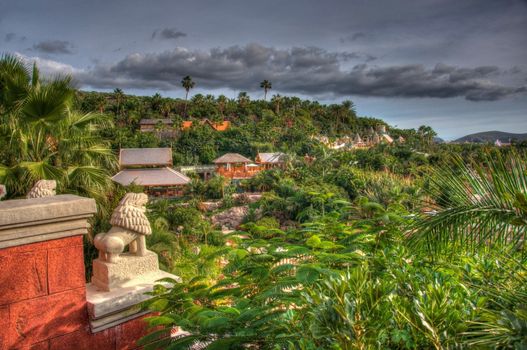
<point x="243" y="99"/>
<point x="156" y="102"/>
<point x="427" y="134"/>
<point x="348" y="113"/>
<point x="100" y="103"/>
<point x="119" y="98"/>
<point x="187" y="84"/>
<point x="45" y="139"/>
<point x="276" y="100"/>
<point x="222" y="103"/>
<point x="166" y="107"/>
<point x="266" y="85"/>
<point x="477" y="204"/>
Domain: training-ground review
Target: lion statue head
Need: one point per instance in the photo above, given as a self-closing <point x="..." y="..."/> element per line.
<point x="43" y="188"/>
<point x="130" y="213"/>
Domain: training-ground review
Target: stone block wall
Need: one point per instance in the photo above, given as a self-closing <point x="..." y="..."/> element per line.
<point x="42" y="284"/>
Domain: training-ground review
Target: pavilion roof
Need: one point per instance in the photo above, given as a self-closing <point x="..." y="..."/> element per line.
<point x="151" y="177"/>
<point x="232" y="158"/>
<point x="145" y="157"/>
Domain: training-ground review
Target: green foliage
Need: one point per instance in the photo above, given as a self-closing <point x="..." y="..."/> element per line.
<point x="347" y="277"/>
<point x="43" y="137"/>
<point x="184" y="220"/>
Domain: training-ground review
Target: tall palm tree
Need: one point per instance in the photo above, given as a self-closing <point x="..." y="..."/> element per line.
<point x="187" y="84"/>
<point x="119" y="99"/>
<point x="43" y="138"/>
<point x="476" y="204"/>
<point x="266" y="85"/>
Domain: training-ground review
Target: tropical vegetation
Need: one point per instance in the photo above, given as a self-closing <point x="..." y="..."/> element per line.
<point x="413" y="245"/>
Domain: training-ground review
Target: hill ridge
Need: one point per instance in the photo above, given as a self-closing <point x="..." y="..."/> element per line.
<point x="492" y="136"/>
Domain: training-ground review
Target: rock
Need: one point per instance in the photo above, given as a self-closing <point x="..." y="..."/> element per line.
<point x="231" y="218"/>
<point x="210" y="206"/>
<point x="246" y="198"/>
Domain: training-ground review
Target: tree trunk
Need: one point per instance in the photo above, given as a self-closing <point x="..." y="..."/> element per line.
<point x="186" y="101"/>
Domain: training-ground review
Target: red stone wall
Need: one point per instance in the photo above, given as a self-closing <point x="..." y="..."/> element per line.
<point x="43" y="301"/>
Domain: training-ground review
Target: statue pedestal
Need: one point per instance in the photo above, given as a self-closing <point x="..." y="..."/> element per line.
<point x="107" y="309"/>
<point x="108" y="276"/>
<point x="118" y="289"/>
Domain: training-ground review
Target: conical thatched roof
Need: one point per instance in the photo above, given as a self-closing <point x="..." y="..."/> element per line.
<point x="357" y="138"/>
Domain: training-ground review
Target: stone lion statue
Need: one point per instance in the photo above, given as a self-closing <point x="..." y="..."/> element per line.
<point x="129" y="226"/>
<point x="43" y="188"/>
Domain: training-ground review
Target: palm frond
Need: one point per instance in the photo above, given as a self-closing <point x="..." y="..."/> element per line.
<point x="477" y="204"/>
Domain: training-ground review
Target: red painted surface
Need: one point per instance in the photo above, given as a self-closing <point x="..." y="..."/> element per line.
<point x="43" y="301"/>
<point x="83" y="339"/>
<point x="23" y="275"/>
<point x="65" y="268"/>
<point x="35" y="320"/>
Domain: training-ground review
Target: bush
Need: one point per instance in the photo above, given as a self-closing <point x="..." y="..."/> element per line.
<point x="184" y="220"/>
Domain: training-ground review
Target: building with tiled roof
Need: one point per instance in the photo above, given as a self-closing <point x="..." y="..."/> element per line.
<point x="232" y="158"/>
<point x="235" y="166"/>
<point x="151" y="169"/>
<point x="149" y="125"/>
<point x="151" y="177"/>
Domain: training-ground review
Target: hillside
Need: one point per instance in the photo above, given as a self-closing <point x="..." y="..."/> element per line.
<point x="283" y="123"/>
<point x="492" y="136"/>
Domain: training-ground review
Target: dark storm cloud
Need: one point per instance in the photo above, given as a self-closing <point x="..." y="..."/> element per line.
<point x="168" y="33"/>
<point x="54" y="47"/>
<point x="307" y="70"/>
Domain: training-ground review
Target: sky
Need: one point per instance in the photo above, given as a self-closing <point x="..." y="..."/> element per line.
<point x="458" y="66"/>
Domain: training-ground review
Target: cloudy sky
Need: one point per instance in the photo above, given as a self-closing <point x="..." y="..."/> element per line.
<point x="459" y="66"/>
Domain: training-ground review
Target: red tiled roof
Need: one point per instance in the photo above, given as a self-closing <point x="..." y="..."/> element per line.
<point x="187" y="124"/>
<point x="224" y="125"/>
<point x="218" y="126"/>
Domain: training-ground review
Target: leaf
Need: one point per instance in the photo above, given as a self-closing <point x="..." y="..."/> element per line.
<point x="217" y="323"/>
<point x="307" y="275"/>
<point x="158" y="305"/>
<point x="159" y="320"/>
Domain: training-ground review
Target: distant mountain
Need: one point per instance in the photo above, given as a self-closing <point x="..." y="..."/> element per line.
<point x="492" y="136"/>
